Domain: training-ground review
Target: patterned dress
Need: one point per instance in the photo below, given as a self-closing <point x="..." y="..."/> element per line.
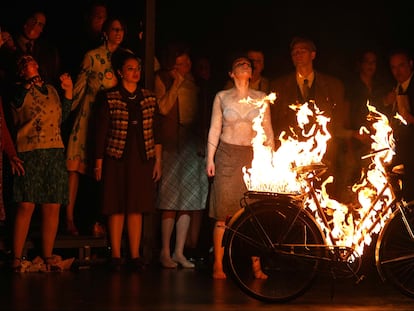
<point x="38" y="114"/>
<point x="96" y="75"/>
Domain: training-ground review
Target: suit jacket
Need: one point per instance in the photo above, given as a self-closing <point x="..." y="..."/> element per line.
<point x="329" y="95"/>
<point x="405" y="138"/>
<point x="327" y="91"/>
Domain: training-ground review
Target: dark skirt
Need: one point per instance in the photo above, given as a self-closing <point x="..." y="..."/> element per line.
<point x="45" y="179"/>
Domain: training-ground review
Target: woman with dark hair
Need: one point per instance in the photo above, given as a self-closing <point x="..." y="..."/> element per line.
<point x="128" y="156"/>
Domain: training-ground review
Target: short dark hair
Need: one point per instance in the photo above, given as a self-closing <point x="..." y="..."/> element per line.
<point x="304" y="40"/>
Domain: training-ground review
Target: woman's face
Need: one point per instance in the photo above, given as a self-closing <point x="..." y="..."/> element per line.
<point x="131" y="71"/>
<point x="28" y="67"/>
<point x="368" y="64"/>
<point x="116" y="33"/>
<point x="241" y="68"/>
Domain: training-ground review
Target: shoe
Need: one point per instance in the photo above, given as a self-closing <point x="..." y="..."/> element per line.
<point x="115" y="264"/>
<point x="168" y="263"/>
<point x="183" y="262"/>
<point x="71" y="228"/>
<point x="136" y="264"/>
<point x="98" y="230"/>
<point x="52" y="263"/>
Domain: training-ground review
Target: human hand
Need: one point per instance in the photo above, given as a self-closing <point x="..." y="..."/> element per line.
<point x="98" y="173"/>
<point x="210" y="169"/>
<point x="175" y="74"/>
<point x="7" y="40"/>
<point x="17" y="166"/>
<point x="66" y="82"/>
<point x="157" y="171"/>
<point x="390" y="98"/>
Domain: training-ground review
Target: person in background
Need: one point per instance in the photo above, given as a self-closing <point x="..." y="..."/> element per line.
<point x="229" y="149"/>
<point x="257" y="81"/>
<point x="88" y="37"/>
<point x="38" y="112"/>
<point x="198" y="240"/>
<point x="7" y="147"/>
<point x="183" y="187"/>
<point x="96" y="75"/>
<point x="128" y="156"/>
<point x="7" y="144"/>
<point x="366" y="84"/>
<point x="401" y="98"/>
<point x="306" y="84"/>
<point x="29" y="40"/>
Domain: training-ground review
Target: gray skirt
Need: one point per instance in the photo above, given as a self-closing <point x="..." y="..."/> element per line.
<point x="228" y="187"/>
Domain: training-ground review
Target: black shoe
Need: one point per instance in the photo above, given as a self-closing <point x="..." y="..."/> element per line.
<point x="136" y="264"/>
<point x="115" y="264"/>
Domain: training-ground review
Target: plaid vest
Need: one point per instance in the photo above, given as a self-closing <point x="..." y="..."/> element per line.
<point x="118" y="110"/>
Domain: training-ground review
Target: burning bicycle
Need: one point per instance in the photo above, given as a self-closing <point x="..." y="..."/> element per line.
<point x="297" y="230"/>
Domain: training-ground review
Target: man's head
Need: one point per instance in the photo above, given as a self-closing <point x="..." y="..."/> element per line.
<point x="302" y="51"/>
<point x="33" y="26"/>
<point x="257" y="58"/>
<point x="401" y="65"/>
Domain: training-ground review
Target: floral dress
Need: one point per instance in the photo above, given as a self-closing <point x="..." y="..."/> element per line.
<point x="96" y="75"/>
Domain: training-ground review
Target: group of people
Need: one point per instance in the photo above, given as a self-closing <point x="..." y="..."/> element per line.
<point x="179" y="148"/>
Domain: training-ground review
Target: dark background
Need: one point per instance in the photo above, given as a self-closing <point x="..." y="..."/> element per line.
<point x="340" y="29"/>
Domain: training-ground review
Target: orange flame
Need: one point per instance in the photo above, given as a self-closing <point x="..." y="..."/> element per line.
<point x="273" y="171"/>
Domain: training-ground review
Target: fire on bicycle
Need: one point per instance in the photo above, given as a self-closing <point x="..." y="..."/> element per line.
<point x="289" y="221"/>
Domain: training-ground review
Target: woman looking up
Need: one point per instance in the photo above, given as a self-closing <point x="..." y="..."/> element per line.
<point x="229" y="149"/>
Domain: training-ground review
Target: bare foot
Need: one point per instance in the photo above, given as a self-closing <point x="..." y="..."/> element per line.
<point x="257" y="269"/>
<point x="218" y="273"/>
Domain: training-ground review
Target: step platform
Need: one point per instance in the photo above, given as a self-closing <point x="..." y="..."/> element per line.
<point x="83" y="243"/>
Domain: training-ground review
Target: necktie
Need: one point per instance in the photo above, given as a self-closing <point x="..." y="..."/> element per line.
<point x="400" y="90"/>
<point x="29" y="47"/>
<point x="305" y="90"/>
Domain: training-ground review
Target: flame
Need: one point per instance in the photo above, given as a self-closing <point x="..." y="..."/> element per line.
<point x="273" y="171"/>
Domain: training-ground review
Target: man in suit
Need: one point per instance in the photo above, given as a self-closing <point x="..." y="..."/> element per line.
<point x="305" y="84"/>
<point x="402" y="100"/>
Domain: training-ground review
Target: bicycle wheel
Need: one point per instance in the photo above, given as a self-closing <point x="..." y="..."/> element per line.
<point x="394" y="254"/>
<point x="258" y="231"/>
